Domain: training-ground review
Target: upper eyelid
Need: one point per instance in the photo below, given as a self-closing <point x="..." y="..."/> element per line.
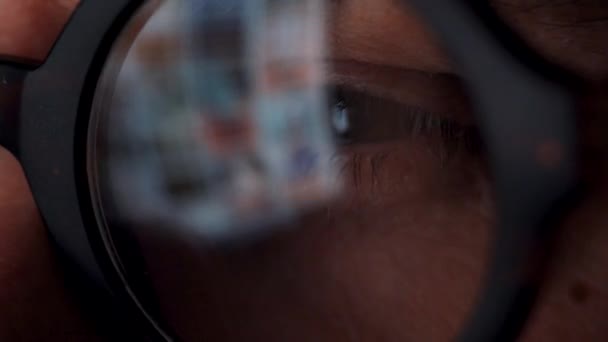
<point x="437" y="93"/>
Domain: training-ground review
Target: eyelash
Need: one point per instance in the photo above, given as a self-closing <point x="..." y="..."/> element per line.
<point x="369" y="114"/>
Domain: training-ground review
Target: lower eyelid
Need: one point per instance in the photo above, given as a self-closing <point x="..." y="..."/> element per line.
<point x="359" y="172"/>
<point x="402" y="174"/>
<point x="382" y="175"/>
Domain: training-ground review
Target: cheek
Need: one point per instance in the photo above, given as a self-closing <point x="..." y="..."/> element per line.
<point x="574" y="304"/>
<point x="372" y="266"/>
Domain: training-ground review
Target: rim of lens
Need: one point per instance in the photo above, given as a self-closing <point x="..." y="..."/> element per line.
<point x="97" y="126"/>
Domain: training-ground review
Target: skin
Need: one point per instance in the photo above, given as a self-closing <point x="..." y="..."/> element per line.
<point x="339" y="275"/>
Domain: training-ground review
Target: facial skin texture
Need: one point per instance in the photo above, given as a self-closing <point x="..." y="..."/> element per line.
<point x="407" y="272"/>
<point x="29" y="27"/>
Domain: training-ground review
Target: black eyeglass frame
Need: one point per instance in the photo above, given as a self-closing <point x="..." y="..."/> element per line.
<point x="45" y="112"/>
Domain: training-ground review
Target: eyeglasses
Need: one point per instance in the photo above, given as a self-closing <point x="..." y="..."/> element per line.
<point x="245" y="110"/>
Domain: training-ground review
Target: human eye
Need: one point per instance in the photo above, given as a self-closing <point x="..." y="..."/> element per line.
<point x="387" y="144"/>
<point x="358" y="117"/>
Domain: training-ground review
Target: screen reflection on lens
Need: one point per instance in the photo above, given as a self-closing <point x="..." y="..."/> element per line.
<point x="221" y="106"/>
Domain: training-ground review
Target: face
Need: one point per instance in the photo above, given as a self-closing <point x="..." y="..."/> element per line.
<point x="400" y="255"/>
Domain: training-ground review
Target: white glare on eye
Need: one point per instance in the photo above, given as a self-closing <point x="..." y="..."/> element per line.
<point x="221" y="117"/>
<point x="340" y="119"/>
